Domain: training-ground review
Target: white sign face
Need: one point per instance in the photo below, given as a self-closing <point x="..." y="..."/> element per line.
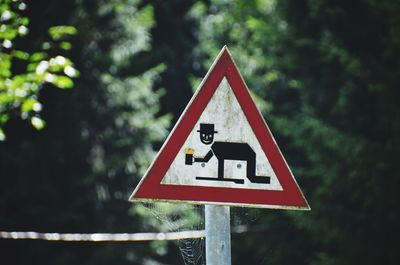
<point x="222" y="150"/>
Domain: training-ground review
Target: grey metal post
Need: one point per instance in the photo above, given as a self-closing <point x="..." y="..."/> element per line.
<point x="218" y="235"/>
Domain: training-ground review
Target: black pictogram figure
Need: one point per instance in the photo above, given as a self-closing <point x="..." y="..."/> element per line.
<point x="224" y="151"/>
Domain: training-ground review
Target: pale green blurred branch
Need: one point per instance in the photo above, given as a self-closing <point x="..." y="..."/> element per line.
<point x="19" y="92"/>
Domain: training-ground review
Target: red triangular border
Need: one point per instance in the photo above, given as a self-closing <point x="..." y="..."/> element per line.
<point x="150" y="187"/>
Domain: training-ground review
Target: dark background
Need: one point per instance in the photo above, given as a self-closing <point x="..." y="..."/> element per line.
<point x="324" y="74"/>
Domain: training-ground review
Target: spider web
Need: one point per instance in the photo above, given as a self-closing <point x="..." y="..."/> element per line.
<point x="172" y="217"/>
<point x="179" y="217"/>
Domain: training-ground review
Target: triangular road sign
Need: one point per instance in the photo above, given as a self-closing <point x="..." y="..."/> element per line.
<point x="221" y="151"/>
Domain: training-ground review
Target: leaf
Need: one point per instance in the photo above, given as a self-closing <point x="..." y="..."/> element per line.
<point x="28" y="104"/>
<point x="58" y="32"/>
<point x="9" y="33"/>
<point x="2" y="135"/>
<point x="38" y="56"/>
<point x="38" y="123"/>
<point x="63" y="82"/>
<point x="65" y="45"/>
<point x="46" y="45"/>
<point x="21" y="55"/>
<point x="3" y="118"/>
<point x="23" y="21"/>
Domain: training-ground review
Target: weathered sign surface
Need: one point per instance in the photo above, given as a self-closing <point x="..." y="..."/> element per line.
<point x="221" y="151"/>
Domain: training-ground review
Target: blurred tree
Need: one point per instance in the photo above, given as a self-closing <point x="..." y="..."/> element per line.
<point x="172" y="44"/>
<point x="328" y="74"/>
<point x="77" y="174"/>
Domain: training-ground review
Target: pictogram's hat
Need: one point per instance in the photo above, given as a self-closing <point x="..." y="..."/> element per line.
<point x="207" y="128"/>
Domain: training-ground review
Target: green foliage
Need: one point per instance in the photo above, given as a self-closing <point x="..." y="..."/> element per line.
<point x="22" y="74"/>
<point x="99" y="137"/>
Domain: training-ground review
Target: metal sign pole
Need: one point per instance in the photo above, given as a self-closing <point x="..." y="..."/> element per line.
<point x="218" y="235"/>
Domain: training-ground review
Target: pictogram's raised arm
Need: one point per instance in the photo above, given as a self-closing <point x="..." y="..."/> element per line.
<point x="206" y="158"/>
